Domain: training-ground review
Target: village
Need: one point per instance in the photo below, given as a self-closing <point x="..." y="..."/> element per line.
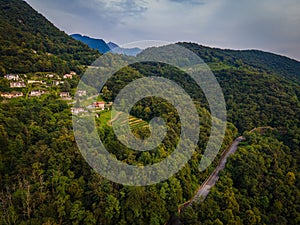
<point x="63" y="86"/>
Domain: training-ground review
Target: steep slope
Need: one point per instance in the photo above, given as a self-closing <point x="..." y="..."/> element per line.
<point x="261" y="61"/>
<point x="44" y="179"/>
<point x="260" y="185"/>
<point x="255" y="192"/>
<point x="29" y="42"/>
<point x="255" y="95"/>
<point x="112" y="45"/>
<point x="39" y="157"/>
<point x="93" y="43"/>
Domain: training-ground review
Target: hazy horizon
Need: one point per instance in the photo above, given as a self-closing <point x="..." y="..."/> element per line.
<point x="271" y="25"/>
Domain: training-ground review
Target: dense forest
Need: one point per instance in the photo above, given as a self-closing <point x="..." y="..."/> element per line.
<point x="30" y="43"/>
<point x="259" y="186"/>
<point x="258" y="60"/>
<point x="45" y="180"/>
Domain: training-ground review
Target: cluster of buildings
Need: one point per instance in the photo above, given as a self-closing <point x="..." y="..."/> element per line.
<point x="13" y="94"/>
<point x="12" y="77"/>
<point x="96" y="106"/>
<point x="41" y="85"/>
<point x="21" y="81"/>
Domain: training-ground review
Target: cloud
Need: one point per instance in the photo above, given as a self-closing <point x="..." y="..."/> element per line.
<point x="127" y="7"/>
<point x="107" y="11"/>
<point x="192" y="2"/>
<point x="271" y="25"/>
<point x="98" y="18"/>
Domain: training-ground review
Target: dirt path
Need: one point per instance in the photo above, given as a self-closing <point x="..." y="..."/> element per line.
<point x="114" y="119"/>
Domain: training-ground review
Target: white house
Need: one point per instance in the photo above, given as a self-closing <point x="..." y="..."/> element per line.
<point x="35" y="82"/>
<point x="68" y="76"/>
<point x="17" y="84"/>
<point x="50" y="75"/>
<point x="12" y="95"/>
<point x="36" y="93"/>
<point x="81" y="93"/>
<point x="57" y="82"/>
<point x="64" y="94"/>
<point x="12" y="77"/>
<point x="76" y="111"/>
<point x="99" y="105"/>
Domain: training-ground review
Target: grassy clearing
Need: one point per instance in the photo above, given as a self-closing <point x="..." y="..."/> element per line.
<point x="105" y="119"/>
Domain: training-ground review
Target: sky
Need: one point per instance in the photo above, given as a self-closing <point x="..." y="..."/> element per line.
<point x="269" y="25"/>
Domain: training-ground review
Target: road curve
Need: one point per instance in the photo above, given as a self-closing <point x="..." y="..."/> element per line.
<point x="213" y="178"/>
<point x="209" y="182"/>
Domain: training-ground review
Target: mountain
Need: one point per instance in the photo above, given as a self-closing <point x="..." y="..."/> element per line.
<point x="112" y="45"/>
<point x="45" y="180"/>
<point x="93" y="43"/>
<point x="255" y="96"/>
<point x="103" y="47"/>
<point x="127" y="51"/>
<point x="260" y="60"/>
<point x="29" y="43"/>
<point x="261" y="178"/>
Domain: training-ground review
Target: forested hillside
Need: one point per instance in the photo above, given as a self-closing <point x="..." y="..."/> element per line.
<point x="259" y="186"/>
<point x="30" y="43"/>
<point x="261" y="61"/>
<point x="45" y="180"/>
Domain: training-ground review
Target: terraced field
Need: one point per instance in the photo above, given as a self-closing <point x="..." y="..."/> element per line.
<point x="134" y="123"/>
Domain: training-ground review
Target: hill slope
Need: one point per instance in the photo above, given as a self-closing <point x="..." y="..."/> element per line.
<point x="264" y="175"/>
<point x="256" y="93"/>
<point x="261" y="61"/>
<point x="29" y="42"/>
<point x="44" y="179"/>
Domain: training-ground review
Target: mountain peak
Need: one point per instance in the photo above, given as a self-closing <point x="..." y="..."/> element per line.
<point x="112" y="45"/>
<point x="104" y="47"/>
<point x="94" y="43"/>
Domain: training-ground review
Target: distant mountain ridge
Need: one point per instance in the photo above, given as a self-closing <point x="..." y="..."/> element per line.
<point x="104" y="47"/>
<point x="112" y="45"/>
<point x="264" y="61"/>
<point x="45" y="180"/>
<point x="93" y="43"/>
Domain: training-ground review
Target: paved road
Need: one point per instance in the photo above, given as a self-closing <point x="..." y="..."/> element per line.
<point x="209" y="182"/>
<point x="213" y="178"/>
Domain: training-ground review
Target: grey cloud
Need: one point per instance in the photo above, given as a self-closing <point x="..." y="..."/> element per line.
<point x="96" y="18"/>
<point x="271" y="25"/>
<point x="106" y="10"/>
<point x="131" y="8"/>
<point x="192" y="2"/>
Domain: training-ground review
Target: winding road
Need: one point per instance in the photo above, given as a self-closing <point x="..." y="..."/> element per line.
<point x="213" y="178"/>
<point x="209" y="182"/>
